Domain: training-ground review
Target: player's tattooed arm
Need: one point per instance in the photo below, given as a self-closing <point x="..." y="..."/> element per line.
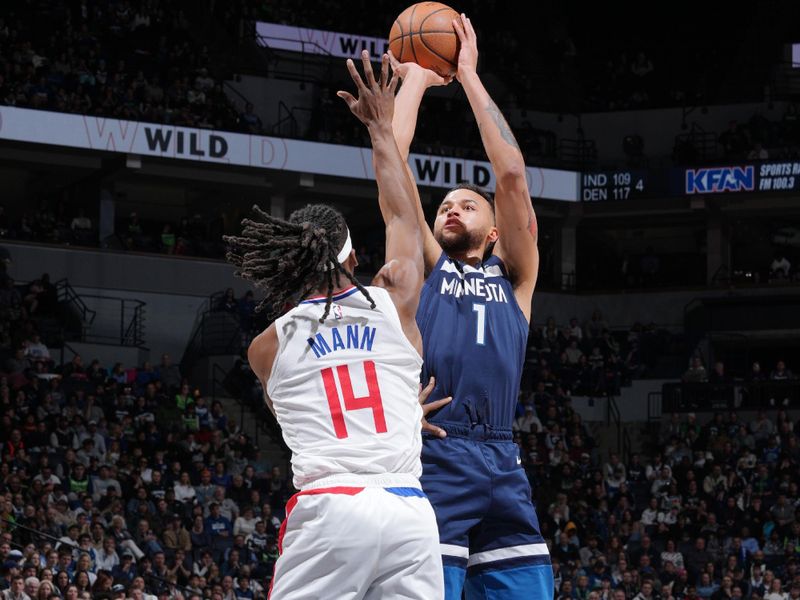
<point x="508" y="137"/>
<point x="501" y="147"/>
<point x="502" y="125"/>
<point x="514" y="215"/>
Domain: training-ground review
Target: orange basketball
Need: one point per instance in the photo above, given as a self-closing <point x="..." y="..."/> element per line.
<point x="424" y="34"/>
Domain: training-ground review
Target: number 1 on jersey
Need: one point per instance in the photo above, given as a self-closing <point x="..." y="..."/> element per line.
<point x="480" y="335"/>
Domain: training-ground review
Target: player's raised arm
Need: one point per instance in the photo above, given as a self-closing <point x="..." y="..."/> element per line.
<point x="416" y="80"/>
<point x="516" y="221"/>
<point x="403" y="273"/>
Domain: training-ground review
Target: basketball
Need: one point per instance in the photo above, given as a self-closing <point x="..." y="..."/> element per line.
<point x="424" y="34"/>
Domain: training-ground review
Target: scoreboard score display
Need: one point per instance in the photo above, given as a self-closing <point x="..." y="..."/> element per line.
<point x="614" y="185"/>
<point x="766" y="177"/>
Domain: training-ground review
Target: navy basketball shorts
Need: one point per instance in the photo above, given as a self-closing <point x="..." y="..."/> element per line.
<point x="488" y="530"/>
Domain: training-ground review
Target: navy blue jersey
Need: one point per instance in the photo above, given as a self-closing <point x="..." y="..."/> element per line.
<point x="474" y="337"/>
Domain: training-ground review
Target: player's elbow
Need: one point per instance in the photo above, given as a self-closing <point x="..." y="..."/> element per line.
<point x="405" y="272"/>
<point x="511" y="173"/>
<point x="404" y="222"/>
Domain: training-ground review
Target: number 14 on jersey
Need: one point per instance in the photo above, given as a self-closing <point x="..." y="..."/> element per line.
<point x="372" y="400"/>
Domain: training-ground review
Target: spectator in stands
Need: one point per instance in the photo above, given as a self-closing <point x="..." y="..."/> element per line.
<point x="780" y="267"/>
<point x="220" y="528"/>
<point x="80" y="223"/>
<point x="168" y="239"/>
<point x="696" y="373"/>
<point x="228" y="302"/>
<point x="733" y="141"/>
<point x="596" y="325"/>
<point x="133" y="232"/>
<point x="16" y="591"/>
<point x="251" y="122"/>
<point x="204" y="491"/>
<point x="169" y="374"/>
<point x="718" y="375"/>
<point x="104" y="481"/>
<point x="184" y="491"/>
<point x="184" y="397"/>
<point x="36" y="350"/>
<point x="75" y="369"/>
<point x="756" y="374"/>
<point x="758" y="152"/>
<point x="573" y="353"/>
<point x="528" y="422"/>
<point x="575" y="330"/>
<point x="780" y="372"/>
<point x="18" y="364"/>
<point x="176" y="536"/>
<point x="33" y="296"/>
<point x="226" y="507"/>
<point x="246" y="308"/>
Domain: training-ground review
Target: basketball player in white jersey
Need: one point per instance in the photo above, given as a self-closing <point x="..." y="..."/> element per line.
<point x="341" y="373"/>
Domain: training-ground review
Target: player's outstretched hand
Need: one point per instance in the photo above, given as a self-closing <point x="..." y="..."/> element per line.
<point x="375" y="102"/>
<point x="412" y="69"/>
<point x="428" y="408"/>
<point x="468" y="55"/>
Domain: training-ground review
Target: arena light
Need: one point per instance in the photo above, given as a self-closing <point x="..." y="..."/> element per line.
<point x="307" y="180"/>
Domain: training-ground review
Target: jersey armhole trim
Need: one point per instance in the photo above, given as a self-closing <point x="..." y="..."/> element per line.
<point x="437" y="267"/>
<point x="500" y="263"/>
<point x="496" y="260"/>
<point x="275" y="366"/>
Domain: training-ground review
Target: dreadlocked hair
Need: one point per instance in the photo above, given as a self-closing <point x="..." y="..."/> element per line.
<point x="290" y="259"/>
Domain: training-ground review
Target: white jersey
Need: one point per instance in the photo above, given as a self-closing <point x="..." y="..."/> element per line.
<point x="345" y="391"/>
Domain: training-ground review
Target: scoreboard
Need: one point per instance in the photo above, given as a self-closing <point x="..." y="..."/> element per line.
<point x="615" y="185"/>
<point x="764" y="177"/>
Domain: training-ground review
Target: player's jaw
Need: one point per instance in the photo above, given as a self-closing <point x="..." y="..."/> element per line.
<point x="456" y="240"/>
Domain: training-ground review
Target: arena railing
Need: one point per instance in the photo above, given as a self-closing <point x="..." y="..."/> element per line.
<point x="310" y="54"/>
<point x="614" y="417"/>
<point x="785" y="80"/>
<point x="66" y="293"/>
<point x="710" y="397"/>
<point x="117" y="322"/>
<point x="285" y="115"/>
<point x="110" y="320"/>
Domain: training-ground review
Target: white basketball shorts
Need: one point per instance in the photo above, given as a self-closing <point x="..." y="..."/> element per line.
<point x="343" y="542"/>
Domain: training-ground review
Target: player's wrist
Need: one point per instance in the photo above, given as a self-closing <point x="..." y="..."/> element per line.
<point x="380" y="127"/>
<point x="416" y="76"/>
<point x="466" y="72"/>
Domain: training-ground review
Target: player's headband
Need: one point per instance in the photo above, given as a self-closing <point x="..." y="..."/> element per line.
<point x="345" y="251"/>
<point x="346" y="248"/>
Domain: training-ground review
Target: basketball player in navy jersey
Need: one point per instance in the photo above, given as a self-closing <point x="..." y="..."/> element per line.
<point x="481" y="262"/>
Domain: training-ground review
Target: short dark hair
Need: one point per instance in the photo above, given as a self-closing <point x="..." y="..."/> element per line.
<point x="483" y="193"/>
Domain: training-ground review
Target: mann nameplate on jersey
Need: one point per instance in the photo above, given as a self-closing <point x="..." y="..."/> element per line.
<point x="257" y="151"/>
